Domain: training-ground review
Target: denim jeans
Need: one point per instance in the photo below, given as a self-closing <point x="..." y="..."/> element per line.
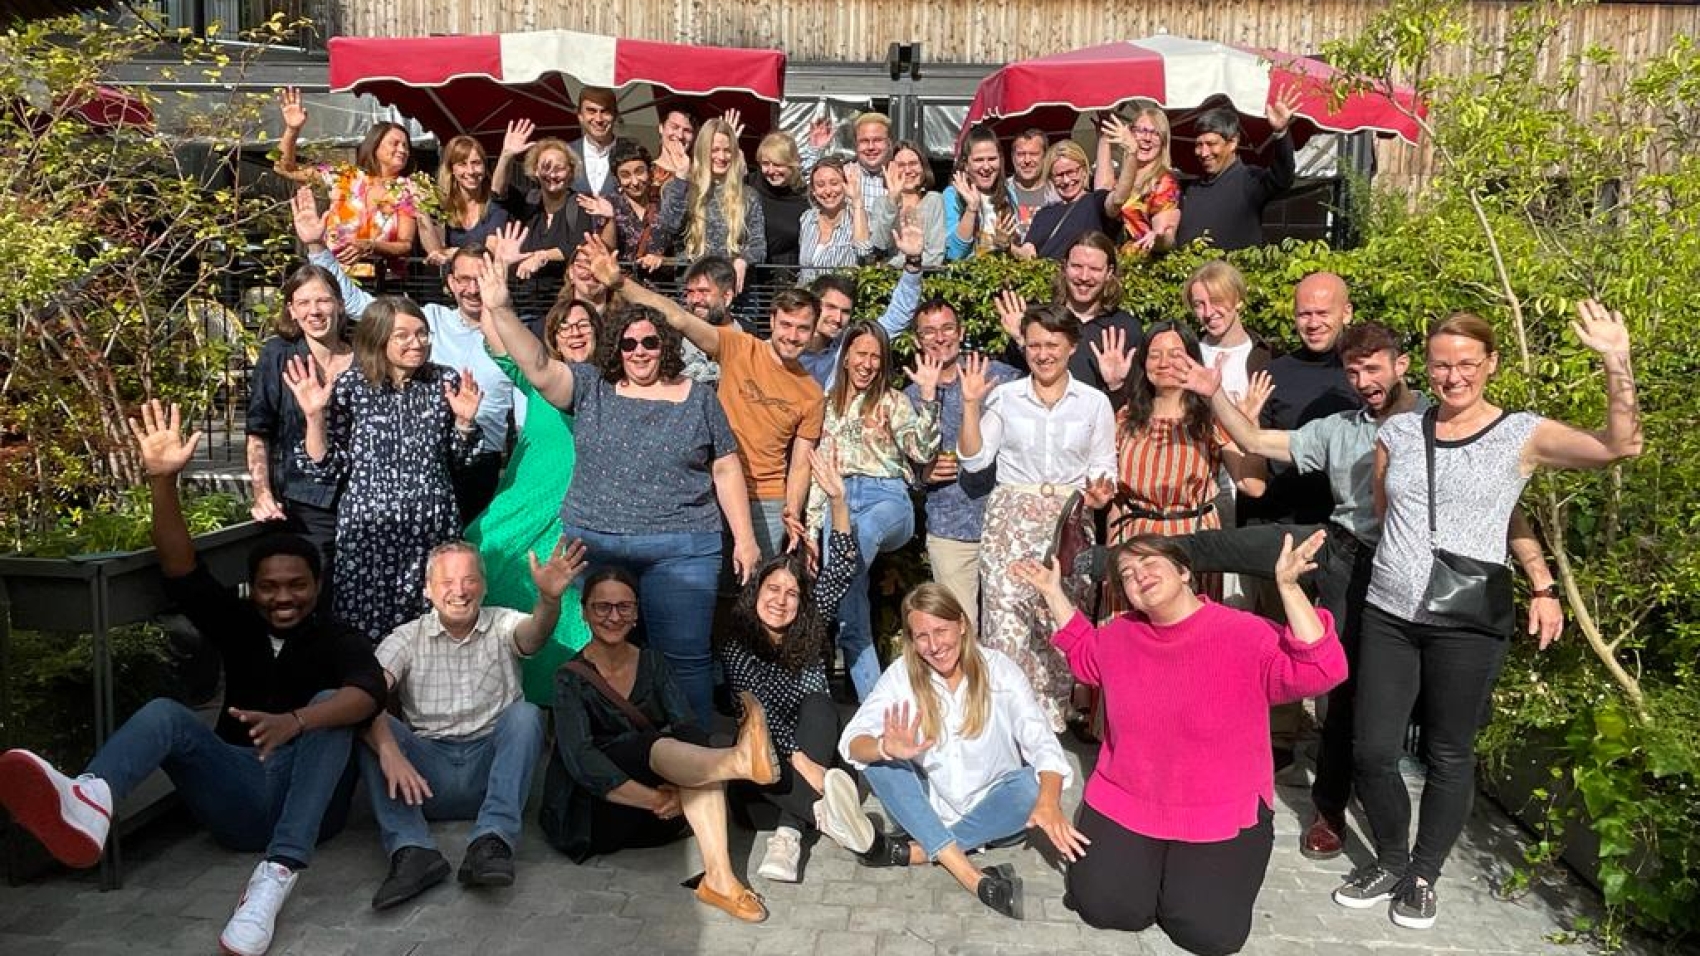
<point x="883" y="519"/>
<point x="484" y="778"/>
<point x="1001" y="813"/>
<point x="677" y="576"/>
<point x="278" y="805"/>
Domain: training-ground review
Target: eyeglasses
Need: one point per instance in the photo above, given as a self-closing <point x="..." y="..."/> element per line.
<point x="577" y="327"/>
<point x="611" y="609"/>
<point x="649" y="343"/>
<point x="403" y="336"/>
<point x="1059" y="173"/>
<point x="1146" y="131"/>
<point x="937" y="332"/>
<point x="1465" y="369"/>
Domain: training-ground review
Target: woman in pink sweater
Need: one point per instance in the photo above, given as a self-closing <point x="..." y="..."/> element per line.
<point x="1178" y="811"/>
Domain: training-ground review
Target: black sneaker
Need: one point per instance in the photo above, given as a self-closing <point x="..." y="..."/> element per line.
<point x="886" y="851"/>
<point x="1368" y="886"/>
<point x="489" y="862"/>
<point x="413" y="870"/>
<point x="1414" y="903"/>
<point x="1001" y="890"/>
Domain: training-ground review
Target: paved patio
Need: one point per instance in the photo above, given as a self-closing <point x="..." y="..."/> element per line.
<point x="180" y="888"/>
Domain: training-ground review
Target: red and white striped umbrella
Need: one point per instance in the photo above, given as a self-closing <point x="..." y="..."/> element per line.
<point x="1181" y="76"/>
<point x="476" y="84"/>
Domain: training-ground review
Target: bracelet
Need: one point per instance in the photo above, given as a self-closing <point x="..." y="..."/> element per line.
<point x="880" y="743"/>
<point x="300" y="725"/>
<point x="1550" y="591"/>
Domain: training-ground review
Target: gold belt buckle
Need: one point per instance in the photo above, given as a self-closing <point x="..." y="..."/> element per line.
<point x="1048" y="490"/>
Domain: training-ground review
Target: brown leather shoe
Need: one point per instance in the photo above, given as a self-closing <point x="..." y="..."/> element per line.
<point x="745" y="904"/>
<point x="753" y="740"/>
<point x="1323" y="839"/>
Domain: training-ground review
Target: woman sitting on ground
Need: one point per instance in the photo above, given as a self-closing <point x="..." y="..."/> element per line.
<point x="1178" y="814"/>
<point x="630" y="767"/>
<point x="776" y="650"/>
<point x="954" y="744"/>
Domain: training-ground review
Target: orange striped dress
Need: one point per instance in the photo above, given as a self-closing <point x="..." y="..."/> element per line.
<point x="1162" y="470"/>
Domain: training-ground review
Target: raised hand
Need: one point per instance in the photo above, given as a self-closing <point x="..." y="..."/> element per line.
<point x="599" y="259"/>
<point x="902" y="737"/>
<point x="1098" y="492"/>
<point x="1280" y="112"/>
<point x="853" y="188"/>
<point x="505" y="245"/>
<point x="1043" y="577"/>
<point x="555" y="575"/>
<point x="289" y="104"/>
<point x="301" y="374"/>
<point x="735" y="120"/>
<point x="465" y="400"/>
<point x="1299" y="560"/>
<point x="1008" y="228"/>
<point x="493" y="284"/>
<point x="967" y="191"/>
<point x="909" y="238"/>
<point x="1202" y="379"/>
<point x="972" y="374"/>
<point x="823" y="465"/>
<point x="309" y="221"/>
<point x="821" y="130"/>
<point x="518" y="137"/>
<point x="893" y="183"/>
<point x="1600" y="329"/>
<point x="599" y="206"/>
<point x="1115" y="130"/>
<point x="1114" y="358"/>
<point x="160" y="441"/>
<point x="1011" y="307"/>
<point x="1258" y="389"/>
<point x="925" y="373"/>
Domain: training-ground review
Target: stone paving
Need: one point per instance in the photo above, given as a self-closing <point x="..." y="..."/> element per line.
<point x="180" y="888"/>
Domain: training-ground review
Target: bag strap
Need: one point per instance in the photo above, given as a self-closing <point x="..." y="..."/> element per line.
<point x="595" y="679"/>
<point x="1428" y="454"/>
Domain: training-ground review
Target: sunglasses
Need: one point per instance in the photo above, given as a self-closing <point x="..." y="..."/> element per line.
<point x="649" y="343"/>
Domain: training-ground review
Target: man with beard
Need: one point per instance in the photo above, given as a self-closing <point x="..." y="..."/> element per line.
<point x="1090" y="288"/>
<point x="1340" y="447"/>
<point x="1225" y="205"/>
<point x="710" y="285"/>
<point x="837" y="296"/>
<point x="297" y="683"/>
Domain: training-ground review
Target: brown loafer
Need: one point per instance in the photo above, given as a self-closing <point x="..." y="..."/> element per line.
<point x="1323" y="839"/>
<point x="745" y="904"/>
<point x="753" y="740"/>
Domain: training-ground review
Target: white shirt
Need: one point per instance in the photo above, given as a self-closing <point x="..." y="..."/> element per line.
<point x="1235" y="378"/>
<point x="596" y="164"/>
<point x="450" y="688"/>
<point x="1063" y="445"/>
<point x="961" y="770"/>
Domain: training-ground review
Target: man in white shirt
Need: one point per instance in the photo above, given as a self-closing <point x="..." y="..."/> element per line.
<point x="467" y="740"/>
<point x="598" y="112"/>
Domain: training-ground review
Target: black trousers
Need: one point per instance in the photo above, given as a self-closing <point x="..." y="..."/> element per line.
<point x="317" y="525"/>
<point x="475" y="485"/>
<point x="1201" y="894"/>
<point x="615" y="826"/>
<point x="817" y="733"/>
<point x="1453" y="670"/>
<point x="1339" y="584"/>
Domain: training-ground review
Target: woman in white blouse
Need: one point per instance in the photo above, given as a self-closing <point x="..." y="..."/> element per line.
<point x="1050" y="435"/>
<point x="833" y="231"/>
<point x="953" y="743"/>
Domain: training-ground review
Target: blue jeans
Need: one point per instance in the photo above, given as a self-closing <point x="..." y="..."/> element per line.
<point x="677" y="577"/>
<point x="484" y="778"/>
<point x="1001" y="813"/>
<point x="278" y="805"/>
<point x="883" y="519"/>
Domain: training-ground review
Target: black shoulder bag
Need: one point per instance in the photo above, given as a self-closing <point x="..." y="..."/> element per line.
<point x="1464" y="590"/>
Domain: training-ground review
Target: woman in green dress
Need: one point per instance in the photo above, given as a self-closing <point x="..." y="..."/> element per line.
<point x="525" y="517"/>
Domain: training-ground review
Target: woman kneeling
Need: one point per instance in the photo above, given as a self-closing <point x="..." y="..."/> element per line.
<point x="956" y="747"/>
<point x="630" y="766"/>
<point x="1178" y="812"/>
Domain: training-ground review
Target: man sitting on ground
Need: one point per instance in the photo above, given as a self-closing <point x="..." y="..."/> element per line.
<point x="467" y="740"/>
<point x="297" y="683"/>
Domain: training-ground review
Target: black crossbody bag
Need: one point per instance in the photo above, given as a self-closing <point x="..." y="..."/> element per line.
<point x="1461" y="589"/>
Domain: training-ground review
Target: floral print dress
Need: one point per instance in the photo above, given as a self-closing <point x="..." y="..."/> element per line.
<point x="364" y="206"/>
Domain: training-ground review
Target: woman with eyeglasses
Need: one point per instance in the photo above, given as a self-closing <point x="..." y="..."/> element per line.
<point x="631" y="767"/>
<point x="1152" y="212"/>
<point x="389" y="431"/>
<point x="556" y="220"/>
<point x="524" y="518"/>
<point x="1457" y="498"/>
<point x="1078" y="209"/>
<point x="909" y="197"/>
<point x="656" y="471"/>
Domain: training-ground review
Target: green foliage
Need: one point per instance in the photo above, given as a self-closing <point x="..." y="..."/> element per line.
<point x="50" y="685"/>
<point x="126" y="527"/>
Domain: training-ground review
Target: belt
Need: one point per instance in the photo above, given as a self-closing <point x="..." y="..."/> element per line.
<point x="1046" y="489"/>
<point x="1345" y="539"/>
<point x="1130" y="512"/>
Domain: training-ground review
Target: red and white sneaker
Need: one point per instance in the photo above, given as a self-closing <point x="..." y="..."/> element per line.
<point x="249" y="932"/>
<point x="70" y="817"/>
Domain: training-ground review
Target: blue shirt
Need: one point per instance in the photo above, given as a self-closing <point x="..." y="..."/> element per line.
<point x="823" y="365"/>
<point x="456" y="345"/>
<point x="957" y="509"/>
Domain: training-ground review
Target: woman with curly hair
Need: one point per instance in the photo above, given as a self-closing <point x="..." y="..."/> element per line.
<point x="713" y="212"/>
<point x="776" y="649"/>
<point x="655" y="456"/>
<point x="470" y="215"/>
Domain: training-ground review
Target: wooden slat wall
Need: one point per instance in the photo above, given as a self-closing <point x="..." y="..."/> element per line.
<point x="998" y="31"/>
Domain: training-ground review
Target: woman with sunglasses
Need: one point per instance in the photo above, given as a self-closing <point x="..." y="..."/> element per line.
<point x="657" y="468"/>
<point x="1457" y="498"/>
<point x="524" y="518"/>
<point x="1152" y="213"/>
<point x="630" y="766"/>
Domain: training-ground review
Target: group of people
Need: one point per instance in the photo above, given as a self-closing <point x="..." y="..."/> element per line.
<point x="434" y="602"/>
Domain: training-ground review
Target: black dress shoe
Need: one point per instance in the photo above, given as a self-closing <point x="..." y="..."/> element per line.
<point x="886" y="851"/>
<point x="489" y="862"/>
<point x="413" y="870"/>
<point x="1001" y="890"/>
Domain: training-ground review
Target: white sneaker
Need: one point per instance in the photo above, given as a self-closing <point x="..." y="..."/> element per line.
<point x="839" y="814"/>
<point x="249" y="932"/>
<point x="784" y="852"/>
<point x="70" y="817"/>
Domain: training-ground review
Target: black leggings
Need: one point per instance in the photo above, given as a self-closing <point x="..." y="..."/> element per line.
<point x="1200" y="893"/>
<point x="816" y="733"/>
<point x="1454" y="671"/>
<point x="615" y="826"/>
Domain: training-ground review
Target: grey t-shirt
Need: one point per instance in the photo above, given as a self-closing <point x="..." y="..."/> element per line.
<point x="1342" y="445"/>
<point x="644" y="466"/>
<point x="1477" y="482"/>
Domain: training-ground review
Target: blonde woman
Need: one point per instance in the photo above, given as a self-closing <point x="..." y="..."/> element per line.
<point x="470" y="215"/>
<point x="713" y="212"/>
<point x="778" y="183"/>
<point x="1152" y="213"/>
<point x="954" y="744"/>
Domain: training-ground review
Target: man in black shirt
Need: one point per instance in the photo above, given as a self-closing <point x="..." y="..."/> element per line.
<point x="1090" y="288"/>
<point x="1225" y="205"/>
<point x="297" y="684"/>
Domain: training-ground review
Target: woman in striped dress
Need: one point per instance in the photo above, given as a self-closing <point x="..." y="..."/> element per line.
<point x="833" y="231"/>
<point x="1168" y="449"/>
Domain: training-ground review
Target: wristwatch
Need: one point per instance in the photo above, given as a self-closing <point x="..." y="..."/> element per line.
<point x="912" y="262"/>
<point x="1550" y="591"/>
